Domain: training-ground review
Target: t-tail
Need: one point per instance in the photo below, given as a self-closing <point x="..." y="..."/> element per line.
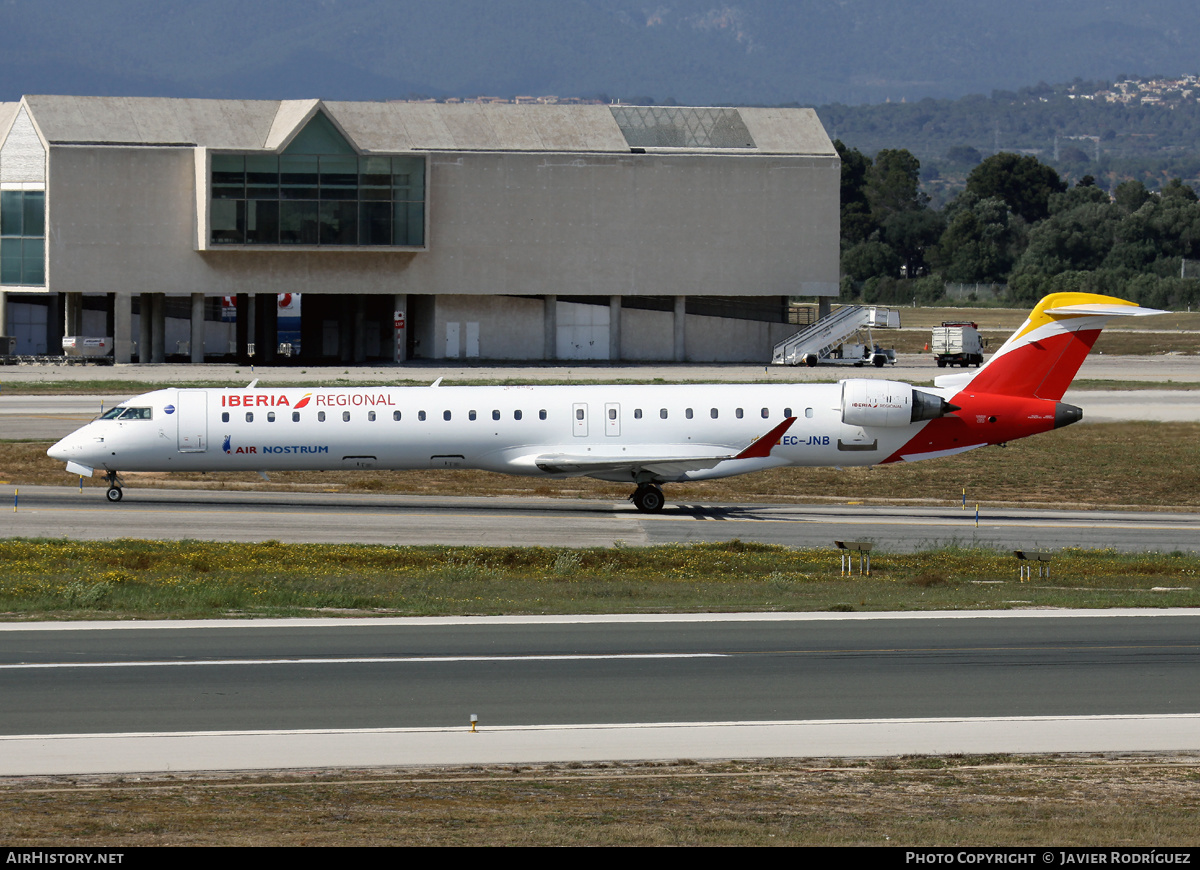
<point x="1041" y="358"/>
<point x="1019" y="391"/>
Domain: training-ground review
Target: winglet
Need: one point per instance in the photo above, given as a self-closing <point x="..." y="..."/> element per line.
<point x="761" y="447"/>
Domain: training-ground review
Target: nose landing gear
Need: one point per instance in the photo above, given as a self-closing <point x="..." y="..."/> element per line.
<point x="648" y="498"/>
<point x="114" y="487"/>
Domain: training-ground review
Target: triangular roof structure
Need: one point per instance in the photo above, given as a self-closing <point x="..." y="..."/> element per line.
<point x="375" y="127"/>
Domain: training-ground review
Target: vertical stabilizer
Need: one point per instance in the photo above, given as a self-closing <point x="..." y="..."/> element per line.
<point x="1042" y="357"/>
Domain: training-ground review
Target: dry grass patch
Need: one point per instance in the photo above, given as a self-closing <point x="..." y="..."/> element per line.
<point x="916" y="801"/>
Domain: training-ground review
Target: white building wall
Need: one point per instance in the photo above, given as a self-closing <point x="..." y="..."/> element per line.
<point x="507" y="327"/>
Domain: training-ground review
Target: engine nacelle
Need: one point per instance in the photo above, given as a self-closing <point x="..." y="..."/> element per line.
<point x="868" y="402"/>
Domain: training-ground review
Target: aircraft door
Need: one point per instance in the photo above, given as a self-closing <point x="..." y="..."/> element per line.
<point x="579" y="421"/>
<point x="612" y="418"/>
<point x="191" y="413"/>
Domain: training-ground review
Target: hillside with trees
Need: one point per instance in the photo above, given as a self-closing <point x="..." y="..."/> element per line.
<point x="1017" y="223"/>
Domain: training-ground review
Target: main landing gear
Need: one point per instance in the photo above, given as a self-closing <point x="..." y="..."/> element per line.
<point x="648" y="498"/>
<point x="114" y="487"/>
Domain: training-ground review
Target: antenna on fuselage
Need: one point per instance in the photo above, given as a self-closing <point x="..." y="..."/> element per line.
<point x="436" y="383"/>
<point x="251" y="385"/>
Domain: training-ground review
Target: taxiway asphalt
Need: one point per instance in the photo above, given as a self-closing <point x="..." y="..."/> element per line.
<point x="160" y="514"/>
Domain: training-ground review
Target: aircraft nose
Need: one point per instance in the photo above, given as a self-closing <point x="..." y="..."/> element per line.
<point x="60" y="451"/>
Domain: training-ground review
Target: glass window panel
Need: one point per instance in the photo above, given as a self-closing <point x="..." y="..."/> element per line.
<point x="228" y="222"/>
<point x="297" y="223"/>
<point x="339" y="223"/>
<point x="374" y="178"/>
<point x="11" y="213"/>
<point x="339" y="178"/>
<point x="262" y="176"/>
<point x="409" y="225"/>
<point x="10" y="261"/>
<point x="375" y="223"/>
<point x="297" y="177"/>
<point x="408" y="177"/>
<point x="228" y="176"/>
<point x="33" y="269"/>
<point x="262" y="222"/>
<point x="35" y="213"/>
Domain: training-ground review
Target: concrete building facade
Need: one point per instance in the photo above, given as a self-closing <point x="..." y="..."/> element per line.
<point x="502" y="232"/>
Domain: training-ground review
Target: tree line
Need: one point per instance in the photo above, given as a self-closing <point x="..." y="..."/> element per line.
<point x="1017" y="223"/>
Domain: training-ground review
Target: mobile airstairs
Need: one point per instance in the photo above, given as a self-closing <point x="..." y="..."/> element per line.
<point x="841" y="339"/>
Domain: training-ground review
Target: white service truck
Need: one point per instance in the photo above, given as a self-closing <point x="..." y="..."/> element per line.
<point x="957" y="343"/>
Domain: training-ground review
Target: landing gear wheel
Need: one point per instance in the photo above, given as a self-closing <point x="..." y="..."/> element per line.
<point x="648" y="499"/>
<point x="114" y="494"/>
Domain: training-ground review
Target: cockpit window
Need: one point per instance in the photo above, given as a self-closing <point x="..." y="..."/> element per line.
<point x="123" y="413"/>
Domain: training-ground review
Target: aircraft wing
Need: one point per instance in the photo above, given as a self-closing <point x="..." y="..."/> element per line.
<point x="668" y="461"/>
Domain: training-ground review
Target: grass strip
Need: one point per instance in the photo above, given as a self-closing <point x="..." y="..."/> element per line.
<point x="908" y="802"/>
<point x="198" y="579"/>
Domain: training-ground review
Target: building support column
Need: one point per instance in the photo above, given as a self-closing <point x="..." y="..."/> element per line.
<point x="197" y="323"/>
<point x="158" y="327"/>
<point x="680" y="329"/>
<point x="4" y="321"/>
<point x="242" y="334"/>
<point x="122" y="307"/>
<point x="550" y="327"/>
<point x="73" y="320"/>
<point x="400" y="327"/>
<point x="824" y="306"/>
<point x="145" y="318"/>
<point x="614" y="328"/>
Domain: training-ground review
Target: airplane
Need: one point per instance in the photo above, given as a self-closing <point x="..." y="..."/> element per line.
<point x="643" y="435"/>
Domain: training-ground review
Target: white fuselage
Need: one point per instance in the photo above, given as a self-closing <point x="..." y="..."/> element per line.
<point x="612" y="432"/>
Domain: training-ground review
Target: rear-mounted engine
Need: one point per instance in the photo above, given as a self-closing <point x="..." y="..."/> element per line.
<point x="867" y="402"/>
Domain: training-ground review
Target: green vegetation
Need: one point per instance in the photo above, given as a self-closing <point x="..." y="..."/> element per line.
<point x="198" y="579"/>
<point x="1016" y="223"/>
<point x="988" y="800"/>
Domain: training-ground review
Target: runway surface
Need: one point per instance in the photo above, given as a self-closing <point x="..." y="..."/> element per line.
<point x="122" y="697"/>
<point x="384" y="519"/>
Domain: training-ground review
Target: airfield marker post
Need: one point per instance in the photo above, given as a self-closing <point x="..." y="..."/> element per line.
<point x="848" y="549"/>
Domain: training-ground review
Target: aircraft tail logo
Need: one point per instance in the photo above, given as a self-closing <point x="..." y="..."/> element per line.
<point x="1041" y="358"/>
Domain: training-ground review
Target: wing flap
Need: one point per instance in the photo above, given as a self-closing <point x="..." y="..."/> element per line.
<point x="670" y="460"/>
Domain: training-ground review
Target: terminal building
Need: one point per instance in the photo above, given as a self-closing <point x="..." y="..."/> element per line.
<point x="411" y="230"/>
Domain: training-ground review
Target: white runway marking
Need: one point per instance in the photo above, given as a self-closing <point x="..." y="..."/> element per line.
<point x="377" y="660"/>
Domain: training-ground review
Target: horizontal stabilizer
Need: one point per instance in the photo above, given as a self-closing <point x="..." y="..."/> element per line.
<point x="1102" y="310"/>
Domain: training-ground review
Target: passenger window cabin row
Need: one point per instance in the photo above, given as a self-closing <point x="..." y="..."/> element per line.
<point x="663" y="414"/>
